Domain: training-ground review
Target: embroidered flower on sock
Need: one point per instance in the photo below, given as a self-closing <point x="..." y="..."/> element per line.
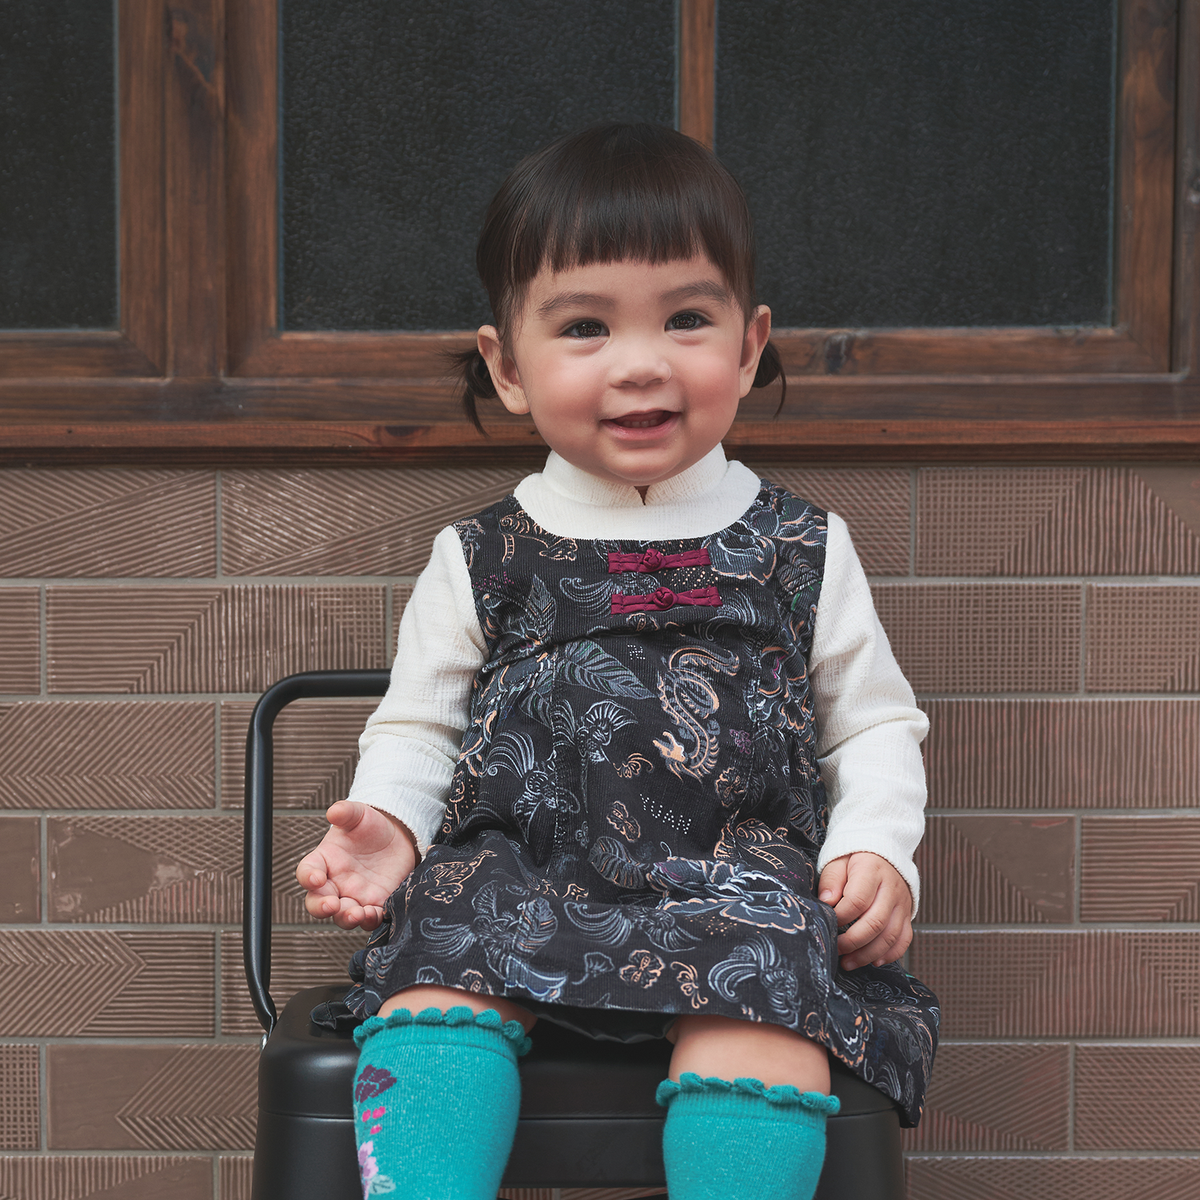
<point x="374" y="1183"/>
<point x="369" y="1115"/>
<point x="372" y="1081"/>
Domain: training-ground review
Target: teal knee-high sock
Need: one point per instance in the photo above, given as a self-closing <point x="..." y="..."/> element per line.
<point x="724" y="1141"/>
<point x="435" y="1103"/>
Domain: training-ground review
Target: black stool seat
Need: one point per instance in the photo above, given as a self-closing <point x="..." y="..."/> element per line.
<point x="588" y="1116"/>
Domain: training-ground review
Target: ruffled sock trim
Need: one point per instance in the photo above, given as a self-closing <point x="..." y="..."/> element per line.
<point x="512" y="1031"/>
<point x="782" y="1095"/>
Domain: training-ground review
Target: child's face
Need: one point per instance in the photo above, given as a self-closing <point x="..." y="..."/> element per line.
<point x="631" y="371"/>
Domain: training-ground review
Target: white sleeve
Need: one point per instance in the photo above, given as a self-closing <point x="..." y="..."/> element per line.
<point x="410" y="746"/>
<point x="869" y="728"/>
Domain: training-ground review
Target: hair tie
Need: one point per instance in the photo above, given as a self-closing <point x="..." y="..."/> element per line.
<point x="770" y="368"/>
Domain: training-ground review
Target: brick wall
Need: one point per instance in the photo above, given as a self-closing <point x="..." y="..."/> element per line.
<point x="1049" y="617"/>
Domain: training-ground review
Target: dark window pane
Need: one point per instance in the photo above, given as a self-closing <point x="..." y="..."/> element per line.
<point x="923" y="162"/>
<point x="399" y="121"/>
<point x="58" y="208"/>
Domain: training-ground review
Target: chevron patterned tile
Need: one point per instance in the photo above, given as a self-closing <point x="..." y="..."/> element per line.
<point x="164" y="1098"/>
<point x="1063" y="753"/>
<point x="235" y="1173"/>
<point x="107" y="522"/>
<point x="975" y="637"/>
<point x="19" y="1113"/>
<point x="140" y="1177"/>
<point x="163" y="870"/>
<point x="20" y="869"/>
<point x="874" y="501"/>
<point x="1140" y="869"/>
<point x="1007" y="1096"/>
<point x="316" y="751"/>
<point x="105" y="983"/>
<point x="20" y="641"/>
<point x="206" y="639"/>
<point x="979" y="870"/>
<point x="348" y="522"/>
<point x="107" y="754"/>
<point x="1058" y="521"/>
<point x="300" y="958"/>
<point x="1136" y="1097"/>
<point x="1143" y="639"/>
<point x="1053" y="1178"/>
<point x="1000" y="984"/>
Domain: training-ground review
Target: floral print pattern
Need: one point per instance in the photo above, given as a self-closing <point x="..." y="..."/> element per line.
<point x="637" y="809"/>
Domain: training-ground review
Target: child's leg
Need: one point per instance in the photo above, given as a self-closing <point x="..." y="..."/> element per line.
<point x="746" y="1107"/>
<point x="436" y="1094"/>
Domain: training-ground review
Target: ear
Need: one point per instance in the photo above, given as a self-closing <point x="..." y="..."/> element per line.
<point x="502" y="369"/>
<point x="757" y="333"/>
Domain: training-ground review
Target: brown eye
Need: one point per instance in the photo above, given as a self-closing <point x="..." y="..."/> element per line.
<point x="685" y="321"/>
<point x="586" y="329"/>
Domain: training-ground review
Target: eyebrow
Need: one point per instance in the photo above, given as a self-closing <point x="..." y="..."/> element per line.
<point x="703" y="289"/>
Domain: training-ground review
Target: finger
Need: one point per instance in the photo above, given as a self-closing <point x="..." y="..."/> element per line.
<point x="373" y="917"/>
<point x="833" y="881"/>
<point x="311" y="873"/>
<point x="886" y="947"/>
<point x="345" y="814"/>
<point x="860" y="894"/>
<point x="865" y="930"/>
<point x="320" y="906"/>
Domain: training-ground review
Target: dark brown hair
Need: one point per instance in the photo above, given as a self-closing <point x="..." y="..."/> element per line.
<point x="611" y="193"/>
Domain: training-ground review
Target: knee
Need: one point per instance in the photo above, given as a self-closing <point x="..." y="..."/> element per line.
<point x="729" y="1048"/>
<point x="428" y="995"/>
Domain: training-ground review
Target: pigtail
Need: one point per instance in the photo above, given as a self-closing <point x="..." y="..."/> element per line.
<point x="770" y="368"/>
<point x="470" y="369"/>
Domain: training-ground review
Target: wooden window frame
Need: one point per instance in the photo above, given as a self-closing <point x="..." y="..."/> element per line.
<point x="198" y="369"/>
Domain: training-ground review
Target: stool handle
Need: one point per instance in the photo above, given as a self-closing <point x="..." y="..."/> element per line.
<point x="256" y="850"/>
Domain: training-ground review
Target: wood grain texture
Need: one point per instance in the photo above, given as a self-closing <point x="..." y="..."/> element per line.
<point x="1146" y="175"/>
<point x="1186" y="350"/>
<point x="697" y="68"/>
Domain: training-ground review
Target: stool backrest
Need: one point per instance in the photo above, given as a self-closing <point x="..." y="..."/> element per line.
<point x="260" y="763"/>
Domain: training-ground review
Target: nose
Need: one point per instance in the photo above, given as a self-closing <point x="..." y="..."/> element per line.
<point x="640" y="362"/>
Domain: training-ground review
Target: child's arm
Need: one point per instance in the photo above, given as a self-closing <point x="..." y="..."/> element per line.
<point x="870" y="732"/>
<point x="362" y="859"/>
<point x="407" y="752"/>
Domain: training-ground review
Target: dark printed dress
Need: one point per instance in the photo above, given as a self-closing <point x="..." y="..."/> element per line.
<point x="635" y="818"/>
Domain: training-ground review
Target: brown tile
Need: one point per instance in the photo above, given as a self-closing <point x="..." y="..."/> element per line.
<point x="874" y="501"/>
<point x="979" y="870"/>
<point x="19" y="1105"/>
<point x="168" y="869"/>
<point x="107" y="754"/>
<point x="1056" y="521"/>
<point x="1053" y="1178"/>
<point x="1136" y="1097"/>
<point x="979" y="637"/>
<point x="348" y="522"/>
<point x="995" y="984"/>
<point x="235" y="1172"/>
<point x="1143" y="639"/>
<point x="109" y="1178"/>
<point x="20" y="869"/>
<point x="1140" y="869"/>
<point x="107" y="983"/>
<point x="401" y="595"/>
<point x="20" y="641"/>
<point x="206" y="639"/>
<point x="1063" y="753"/>
<point x="164" y="1098"/>
<point x="996" y="1097"/>
<point x="107" y="522"/>
<point x="300" y="958"/>
<point x="315" y="751"/>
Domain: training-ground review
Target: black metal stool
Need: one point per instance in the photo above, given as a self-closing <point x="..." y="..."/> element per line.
<point x="588" y="1116"/>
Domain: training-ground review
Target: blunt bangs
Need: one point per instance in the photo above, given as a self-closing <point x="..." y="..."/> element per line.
<point x="613" y="193"/>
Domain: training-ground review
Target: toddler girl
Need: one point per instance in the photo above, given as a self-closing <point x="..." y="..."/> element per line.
<point x="645" y="749"/>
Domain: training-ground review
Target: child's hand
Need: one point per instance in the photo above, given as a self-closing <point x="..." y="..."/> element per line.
<point x="870" y="896"/>
<point x="363" y="858"/>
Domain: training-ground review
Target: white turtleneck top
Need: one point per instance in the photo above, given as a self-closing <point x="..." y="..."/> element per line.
<point x="869" y="728"/>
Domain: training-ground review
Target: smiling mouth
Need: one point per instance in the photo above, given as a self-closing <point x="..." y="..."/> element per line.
<point x="643" y="420"/>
